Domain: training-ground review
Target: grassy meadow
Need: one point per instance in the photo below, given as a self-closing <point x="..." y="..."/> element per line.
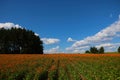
<point x="60" y="67"/>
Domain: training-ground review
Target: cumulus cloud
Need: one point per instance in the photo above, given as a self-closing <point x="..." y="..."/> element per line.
<point x="71" y="40"/>
<point x="77" y="49"/>
<point x="53" y="50"/>
<point x="105" y="35"/>
<point x="48" y="41"/>
<point x="109" y="46"/>
<point x="9" y="25"/>
<point x="112" y="45"/>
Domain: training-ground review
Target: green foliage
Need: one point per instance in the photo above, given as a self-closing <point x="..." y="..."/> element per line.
<point x="17" y="40"/>
<point x="118" y="49"/>
<point x="101" y="50"/>
<point x="87" y="51"/>
<point x="93" y="50"/>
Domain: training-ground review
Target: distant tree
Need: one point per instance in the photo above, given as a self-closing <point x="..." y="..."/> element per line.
<point x="87" y="51"/>
<point x="119" y="49"/>
<point x="17" y="40"/>
<point x="101" y="50"/>
<point x="93" y="50"/>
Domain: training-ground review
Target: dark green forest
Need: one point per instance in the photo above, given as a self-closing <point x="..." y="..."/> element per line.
<point x="94" y="50"/>
<point x="19" y="41"/>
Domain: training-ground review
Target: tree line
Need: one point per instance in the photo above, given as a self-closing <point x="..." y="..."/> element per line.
<point x="119" y="49"/>
<point x="101" y="50"/>
<point x="18" y="40"/>
<point x="95" y="50"/>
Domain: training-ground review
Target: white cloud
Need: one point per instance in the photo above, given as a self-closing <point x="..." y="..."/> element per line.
<point x="80" y="49"/>
<point x="77" y="48"/>
<point x="53" y="50"/>
<point x="50" y="40"/>
<point x="109" y="46"/>
<point x="9" y="25"/>
<point x="36" y="34"/>
<point x="105" y="35"/>
<point x="71" y="40"/>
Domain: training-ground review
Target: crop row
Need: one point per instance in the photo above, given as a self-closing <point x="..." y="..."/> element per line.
<point x="60" y="67"/>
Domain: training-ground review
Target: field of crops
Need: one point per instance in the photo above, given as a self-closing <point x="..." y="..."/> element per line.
<point x="60" y="67"/>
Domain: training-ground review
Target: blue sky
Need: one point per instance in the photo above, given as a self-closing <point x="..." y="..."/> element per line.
<point x="67" y="25"/>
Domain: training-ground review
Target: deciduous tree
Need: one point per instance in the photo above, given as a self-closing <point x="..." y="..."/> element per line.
<point x="101" y="50"/>
<point x="93" y="50"/>
<point x="118" y="49"/>
<point x="18" y="40"/>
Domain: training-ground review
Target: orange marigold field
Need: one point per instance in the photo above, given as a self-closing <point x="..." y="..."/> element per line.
<point x="60" y="67"/>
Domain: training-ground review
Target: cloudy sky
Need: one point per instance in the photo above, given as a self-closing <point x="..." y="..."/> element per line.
<point x="66" y="25"/>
